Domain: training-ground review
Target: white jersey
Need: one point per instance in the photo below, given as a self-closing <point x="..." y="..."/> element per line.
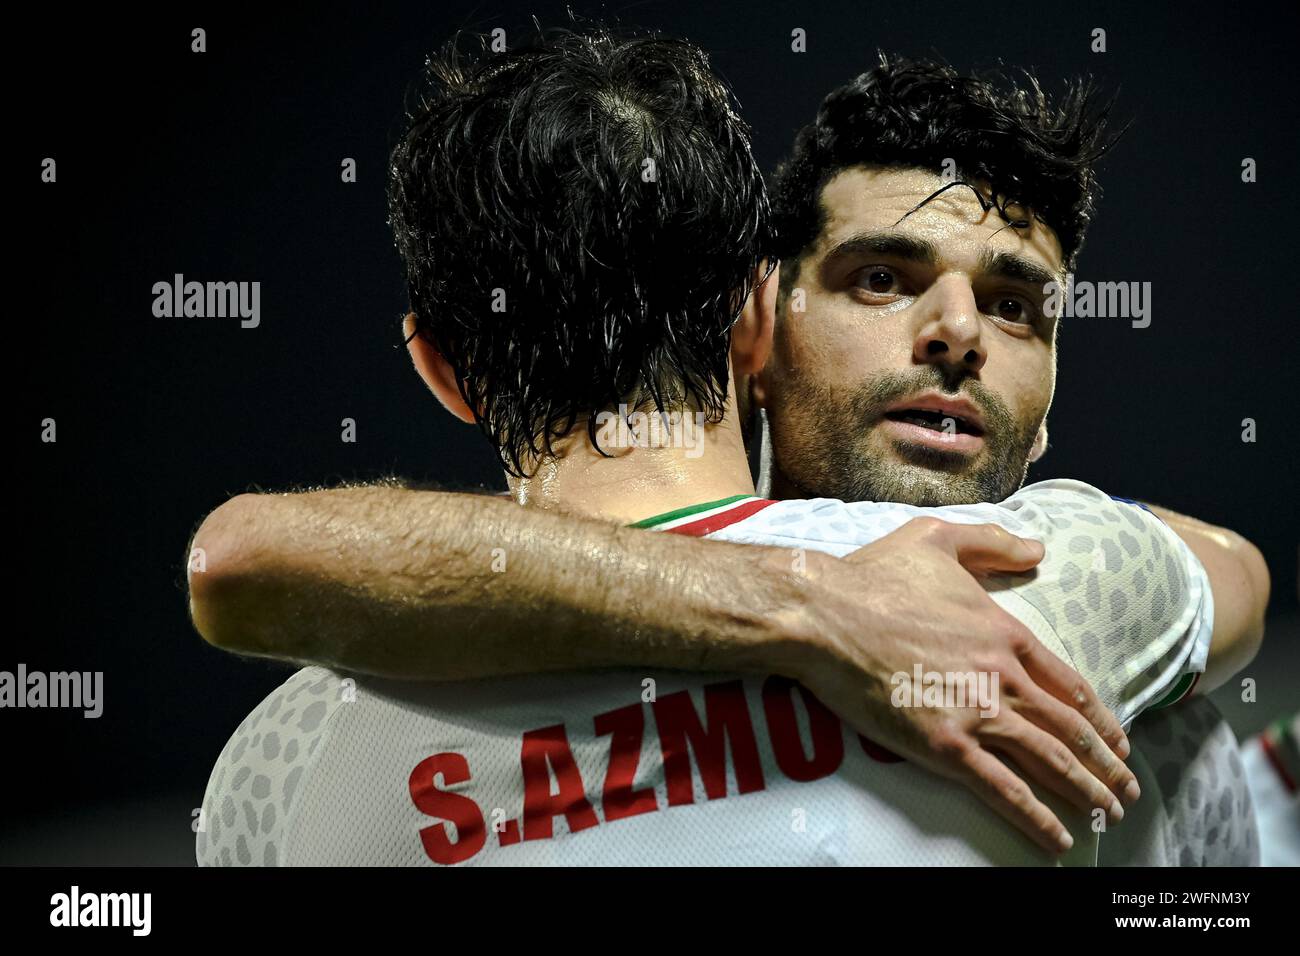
<point x="1196" y="807"/>
<point x="640" y="767"/>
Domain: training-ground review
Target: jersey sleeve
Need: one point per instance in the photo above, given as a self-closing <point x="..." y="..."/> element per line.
<point x="1118" y="593"/>
<point x="1124" y="594"/>
<point x="257" y="780"/>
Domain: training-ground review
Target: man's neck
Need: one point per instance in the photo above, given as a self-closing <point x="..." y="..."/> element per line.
<point x="685" y="465"/>
<point x="782" y="488"/>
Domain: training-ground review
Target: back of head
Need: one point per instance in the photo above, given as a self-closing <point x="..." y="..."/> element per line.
<point x="580" y="219"/>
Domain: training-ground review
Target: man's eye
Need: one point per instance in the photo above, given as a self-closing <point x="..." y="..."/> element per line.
<point x="1012" y="309"/>
<point x="878" y="279"/>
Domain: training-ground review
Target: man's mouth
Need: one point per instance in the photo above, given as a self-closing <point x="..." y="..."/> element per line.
<point x="937" y="422"/>
<point x="944" y="422"/>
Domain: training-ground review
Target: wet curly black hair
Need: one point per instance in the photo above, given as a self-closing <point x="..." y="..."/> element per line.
<point x="604" y="184"/>
<point x="1003" y="135"/>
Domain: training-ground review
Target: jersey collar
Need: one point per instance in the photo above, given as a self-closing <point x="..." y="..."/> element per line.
<point x="708" y="517"/>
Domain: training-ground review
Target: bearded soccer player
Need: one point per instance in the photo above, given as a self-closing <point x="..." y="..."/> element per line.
<point x="599" y="325"/>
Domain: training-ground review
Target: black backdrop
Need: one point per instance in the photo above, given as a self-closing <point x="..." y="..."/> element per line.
<point x="225" y="165"/>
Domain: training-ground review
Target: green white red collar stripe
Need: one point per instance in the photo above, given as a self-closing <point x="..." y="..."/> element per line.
<point x="1182" y="689"/>
<point x="706" y="518"/>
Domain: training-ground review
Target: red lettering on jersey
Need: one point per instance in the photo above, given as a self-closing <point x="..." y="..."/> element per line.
<point x="680" y="734"/>
<point x="783" y="728"/>
<point x="509" y="833"/>
<point x="877" y="752"/>
<point x="627" y="727"/>
<point x="453" y="807"/>
<point x="550" y="746"/>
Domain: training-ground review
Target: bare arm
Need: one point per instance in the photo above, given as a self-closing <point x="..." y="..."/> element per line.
<point x="434" y="585"/>
<point x="1240" y="581"/>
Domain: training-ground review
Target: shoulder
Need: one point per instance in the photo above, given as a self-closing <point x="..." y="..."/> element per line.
<point x="1122" y="589"/>
<point x="253" y="786"/>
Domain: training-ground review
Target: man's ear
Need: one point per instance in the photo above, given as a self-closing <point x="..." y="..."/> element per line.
<point x="436" y="371"/>
<point x="751" y="336"/>
<point x="759" y="321"/>
<point x="1040" y="443"/>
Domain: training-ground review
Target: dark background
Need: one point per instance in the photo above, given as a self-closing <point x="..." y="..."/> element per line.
<point x="225" y="166"/>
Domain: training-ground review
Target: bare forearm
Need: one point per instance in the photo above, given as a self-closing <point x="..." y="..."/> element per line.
<point x="433" y="585"/>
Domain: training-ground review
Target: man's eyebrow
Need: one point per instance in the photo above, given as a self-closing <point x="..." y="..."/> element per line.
<point x="1017" y="268"/>
<point x="893" y="244"/>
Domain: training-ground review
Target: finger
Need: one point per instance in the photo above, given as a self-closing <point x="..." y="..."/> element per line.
<point x="1014" y="801"/>
<point x="1068" y="686"/>
<point x="1073" y="730"/>
<point x="986" y="547"/>
<point x="1049" y="762"/>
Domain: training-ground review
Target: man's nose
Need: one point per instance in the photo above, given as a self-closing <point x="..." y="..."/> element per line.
<point x="951" y="327"/>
